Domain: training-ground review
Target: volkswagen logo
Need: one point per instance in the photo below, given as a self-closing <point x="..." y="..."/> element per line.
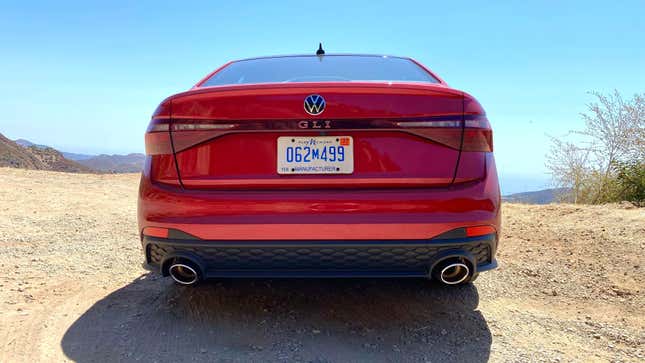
<point x="314" y="104"/>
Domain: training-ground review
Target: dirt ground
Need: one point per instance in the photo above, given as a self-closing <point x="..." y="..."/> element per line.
<point x="570" y="287"/>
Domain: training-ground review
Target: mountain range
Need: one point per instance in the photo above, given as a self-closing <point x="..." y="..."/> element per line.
<point x="545" y="196"/>
<point x="23" y="153"/>
<point x="36" y="157"/>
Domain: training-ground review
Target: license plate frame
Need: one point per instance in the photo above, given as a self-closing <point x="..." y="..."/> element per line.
<point x="331" y="155"/>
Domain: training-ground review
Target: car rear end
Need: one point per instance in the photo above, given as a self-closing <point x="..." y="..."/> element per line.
<point x="336" y="170"/>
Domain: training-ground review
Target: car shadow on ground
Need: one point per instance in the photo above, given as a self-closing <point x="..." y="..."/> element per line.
<point x="152" y="319"/>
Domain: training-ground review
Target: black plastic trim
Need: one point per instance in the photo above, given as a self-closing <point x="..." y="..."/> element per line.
<point x="448" y="246"/>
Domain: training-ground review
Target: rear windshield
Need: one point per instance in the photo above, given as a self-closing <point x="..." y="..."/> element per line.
<point x="328" y="68"/>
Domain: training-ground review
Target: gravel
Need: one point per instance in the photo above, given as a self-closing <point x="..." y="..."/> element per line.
<point x="569" y="288"/>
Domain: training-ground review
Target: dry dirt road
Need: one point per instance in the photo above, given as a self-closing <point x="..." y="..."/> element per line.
<point x="570" y="288"/>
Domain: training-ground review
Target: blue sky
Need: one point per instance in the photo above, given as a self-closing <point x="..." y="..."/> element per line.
<point x="85" y="76"/>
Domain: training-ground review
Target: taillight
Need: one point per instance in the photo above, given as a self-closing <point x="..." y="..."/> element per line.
<point x="471" y="134"/>
<point x="478" y="135"/>
<point x="443" y="131"/>
<point x="191" y="126"/>
<point x="158" y="137"/>
<point x="188" y="132"/>
<point x="158" y="140"/>
<point x="161" y="166"/>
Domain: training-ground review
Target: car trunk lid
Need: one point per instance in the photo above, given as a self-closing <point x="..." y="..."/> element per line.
<point x="402" y="135"/>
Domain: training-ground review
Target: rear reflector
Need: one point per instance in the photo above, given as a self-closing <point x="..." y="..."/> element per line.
<point x="156" y="232"/>
<point x="479" y="231"/>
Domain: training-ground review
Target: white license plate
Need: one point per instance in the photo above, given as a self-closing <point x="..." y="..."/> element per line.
<point x="315" y="155"/>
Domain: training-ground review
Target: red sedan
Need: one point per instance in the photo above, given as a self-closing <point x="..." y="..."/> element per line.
<point x="320" y="166"/>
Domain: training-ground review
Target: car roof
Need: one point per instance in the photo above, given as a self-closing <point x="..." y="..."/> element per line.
<point x="325" y="55"/>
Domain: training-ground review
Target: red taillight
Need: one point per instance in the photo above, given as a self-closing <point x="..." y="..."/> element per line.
<point x="443" y="131"/>
<point x="478" y="135"/>
<point x="471" y="134"/>
<point x="199" y="126"/>
<point x="159" y="151"/>
<point x="189" y="132"/>
<point x="158" y="137"/>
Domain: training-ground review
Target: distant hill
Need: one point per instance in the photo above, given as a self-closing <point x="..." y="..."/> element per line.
<point x="76" y="157"/>
<point x="545" y="196"/>
<point x="131" y="163"/>
<point x="70" y="156"/>
<point x="17" y="156"/>
<point x="27" y="143"/>
<point x="37" y="157"/>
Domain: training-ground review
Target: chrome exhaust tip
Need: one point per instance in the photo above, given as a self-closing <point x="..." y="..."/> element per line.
<point x="184" y="274"/>
<point x="456" y="269"/>
<point x="454" y="273"/>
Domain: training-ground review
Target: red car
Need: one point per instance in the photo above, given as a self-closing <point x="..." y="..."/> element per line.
<point x="320" y="166"/>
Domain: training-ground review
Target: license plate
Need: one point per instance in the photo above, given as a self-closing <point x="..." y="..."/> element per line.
<point x="315" y="155"/>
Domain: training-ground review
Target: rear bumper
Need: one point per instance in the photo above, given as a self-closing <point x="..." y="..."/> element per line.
<point x="315" y="258"/>
<point x="321" y="214"/>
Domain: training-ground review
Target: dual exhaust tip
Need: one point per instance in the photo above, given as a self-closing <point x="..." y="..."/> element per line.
<point x="449" y="271"/>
